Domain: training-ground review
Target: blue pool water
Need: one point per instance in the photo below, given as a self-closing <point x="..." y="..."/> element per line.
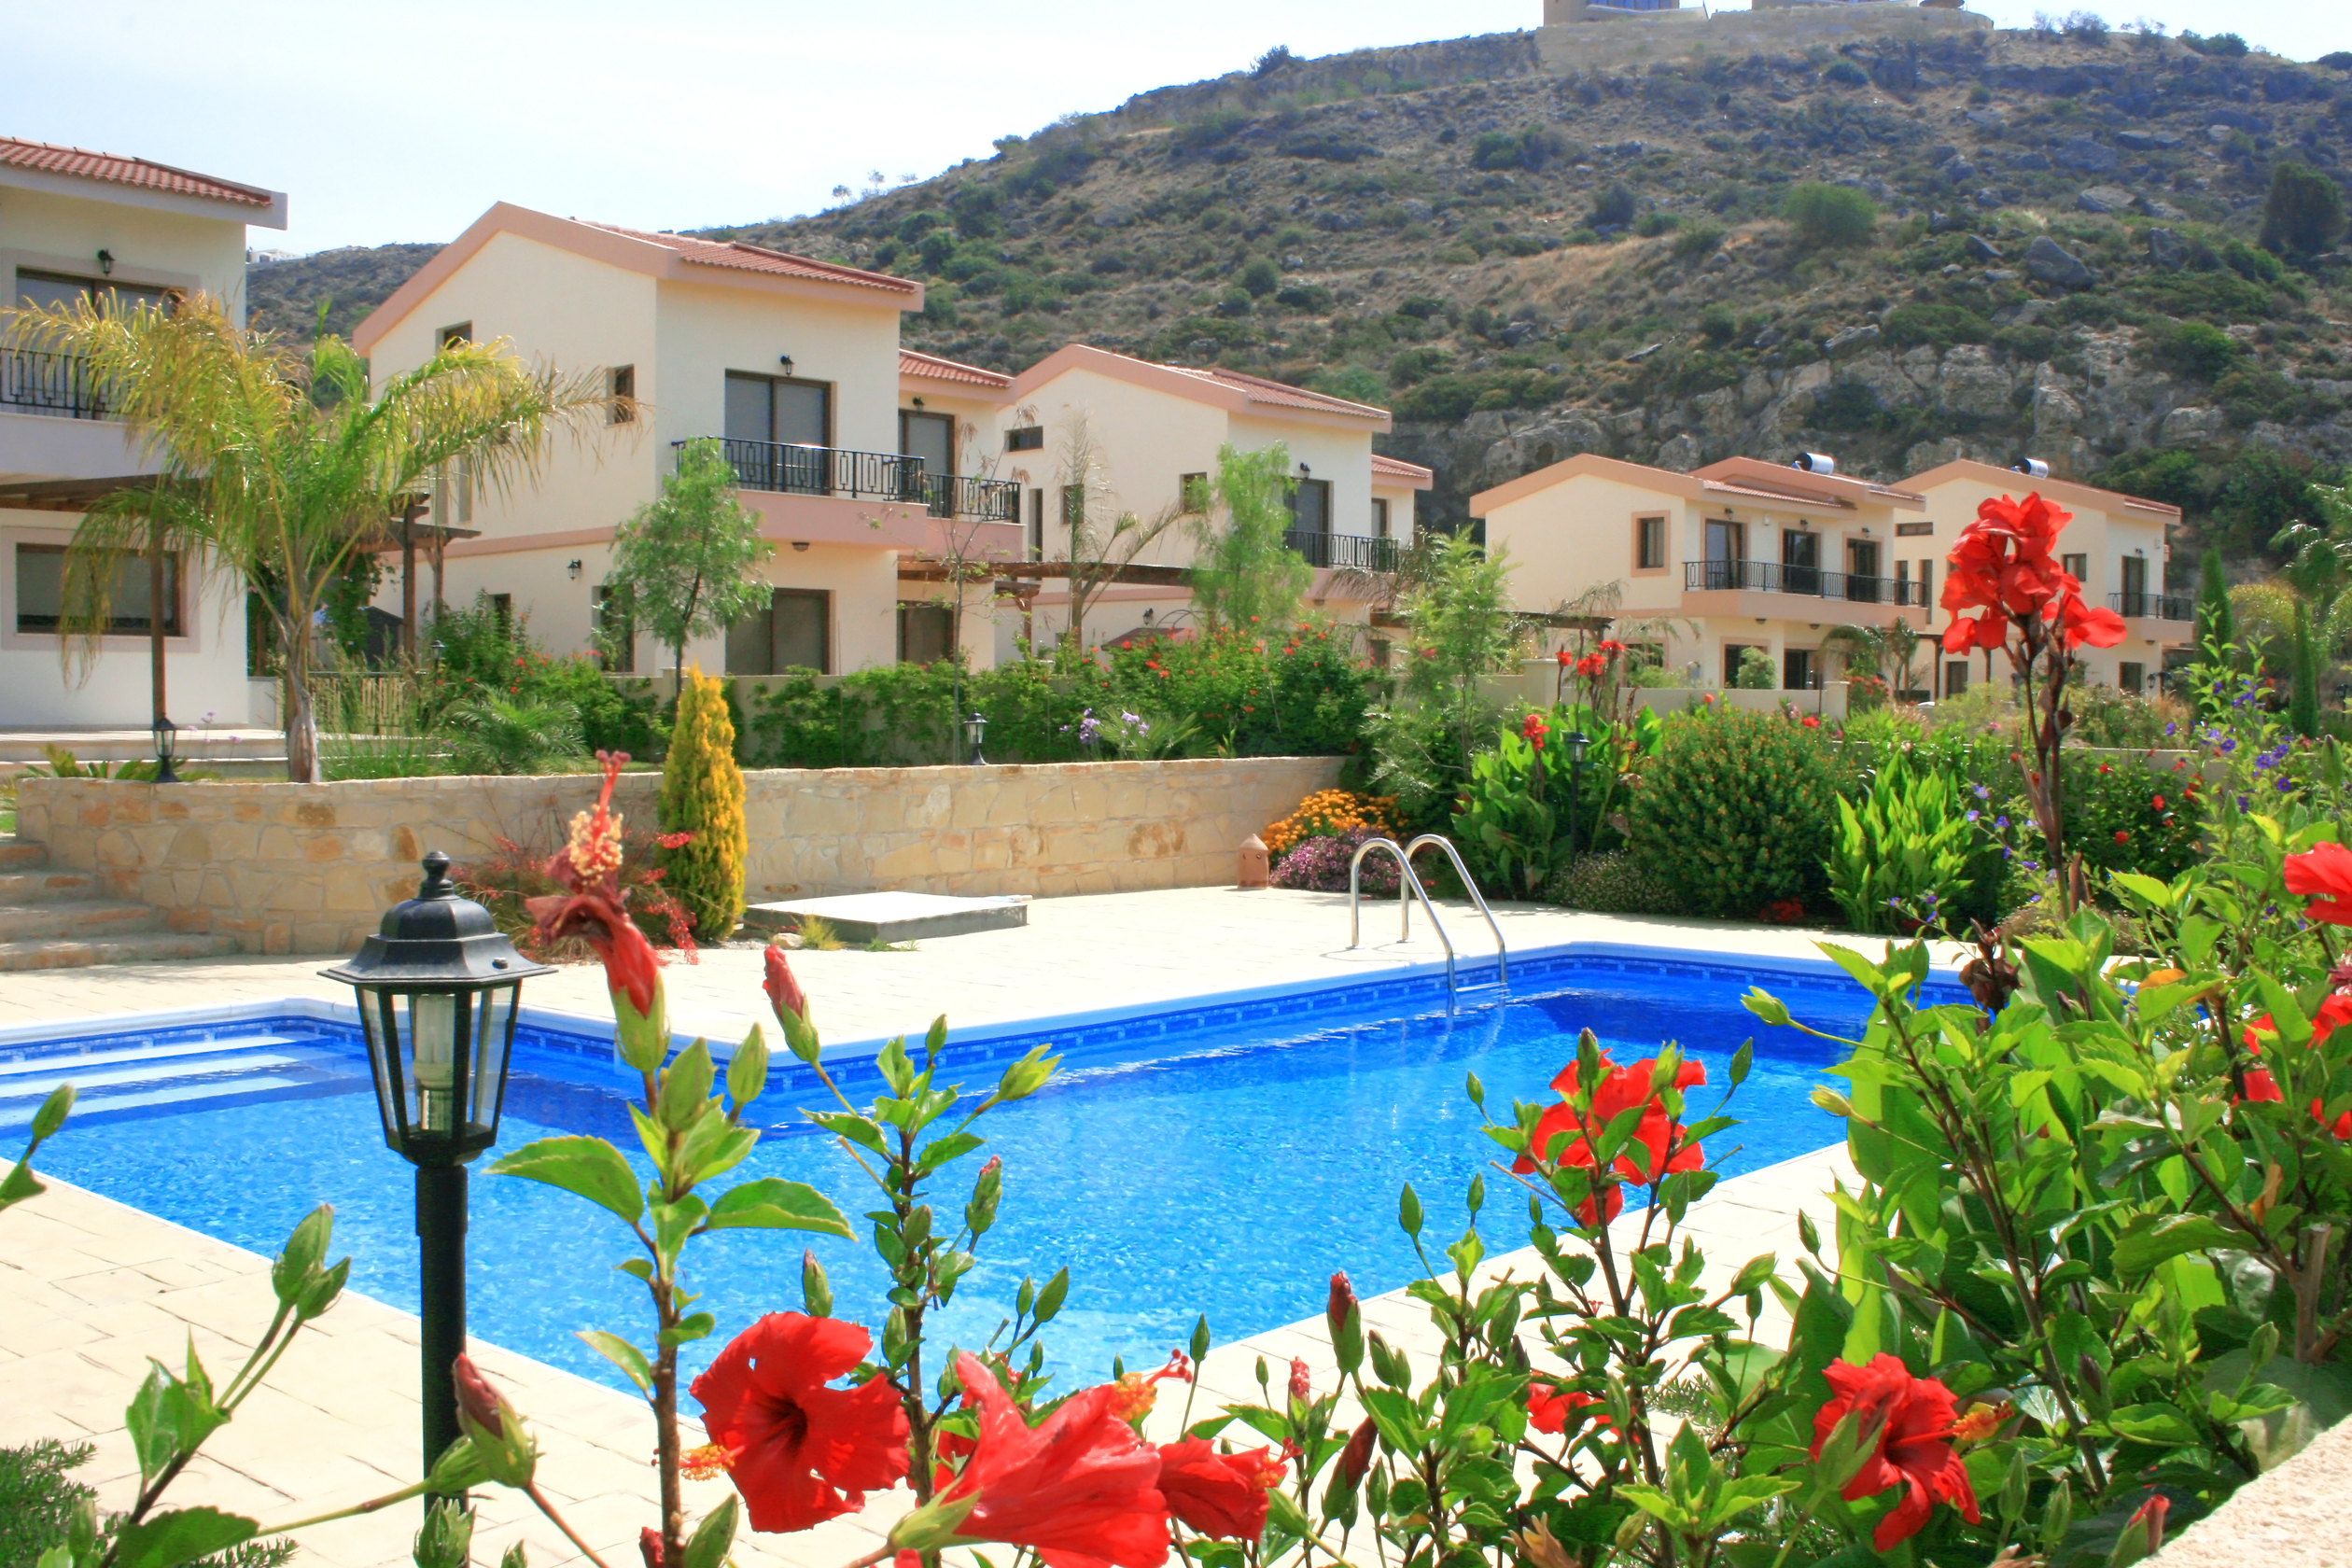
<point x="1224" y="1160"/>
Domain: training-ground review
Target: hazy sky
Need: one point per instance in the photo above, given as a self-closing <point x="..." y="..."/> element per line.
<point x="404" y="122"/>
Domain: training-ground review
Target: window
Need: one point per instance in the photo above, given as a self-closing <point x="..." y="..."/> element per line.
<point x="2134" y="580"/>
<point x="1955" y="676"/>
<point x="1192" y="492"/>
<point x="793" y="632"/>
<point x="779" y="433"/>
<point x="2132" y="678"/>
<point x="453" y="495"/>
<point x="1926" y="593"/>
<point x="622" y="387"/>
<point x="2080" y="565"/>
<point x="1037" y="524"/>
<point x="1380" y="518"/>
<point x="450" y="337"/>
<point x="1902" y="583"/>
<point x="926" y="633"/>
<point x="1731" y="655"/>
<point x="1073" y="506"/>
<point x="1801" y="561"/>
<point x="1028" y="438"/>
<point x="36" y="290"/>
<point x="1909" y="530"/>
<point x="502" y="612"/>
<point x="1311" y="507"/>
<point x="1650" y="544"/>
<point x="1796" y="669"/>
<point x="615" y="623"/>
<point x="40" y="592"/>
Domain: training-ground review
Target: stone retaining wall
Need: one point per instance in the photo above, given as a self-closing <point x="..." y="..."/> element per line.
<point x="302" y="868"/>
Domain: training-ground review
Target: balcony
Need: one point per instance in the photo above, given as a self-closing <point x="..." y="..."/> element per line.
<point x="877" y="476"/>
<point x="1348" y="552"/>
<point x="60" y="385"/>
<point x="1811" y="582"/>
<point x="2153" y="606"/>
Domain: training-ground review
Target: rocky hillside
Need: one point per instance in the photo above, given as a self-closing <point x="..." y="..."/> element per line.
<point x="2066" y="258"/>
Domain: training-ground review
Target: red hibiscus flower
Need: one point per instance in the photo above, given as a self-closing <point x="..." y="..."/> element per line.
<point x="2081" y="624"/>
<point x="589" y="868"/>
<point x="2324" y="874"/>
<point x="802" y="1452"/>
<point x="783" y="989"/>
<point x="2263" y="1088"/>
<point x="1907" y="1422"/>
<point x="1082" y="1487"/>
<point x="1222" y="1496"/>
<point x="1554" y="1410"/>
<point x="1619" y="1090"/>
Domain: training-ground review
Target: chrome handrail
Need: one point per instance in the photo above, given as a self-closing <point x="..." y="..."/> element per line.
<point x="1404" y="882"/>
<point x="1502" y="953"/>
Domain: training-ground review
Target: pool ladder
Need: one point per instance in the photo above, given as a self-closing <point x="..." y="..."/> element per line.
<point x="1408" y="884"/>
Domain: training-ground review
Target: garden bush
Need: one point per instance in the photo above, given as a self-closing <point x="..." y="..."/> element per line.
<point x="1327" y="814"/>
<point x="1735" y="812"/>
<point x="1319" y="864"/>
<point x="1903" y="850"/>
<point x="1610" y="882"/>
<point x="702" y="796"/>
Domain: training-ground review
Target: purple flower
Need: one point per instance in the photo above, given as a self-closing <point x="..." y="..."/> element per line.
<point x="1321" y="865"/>
<point x="1972" y="815"/>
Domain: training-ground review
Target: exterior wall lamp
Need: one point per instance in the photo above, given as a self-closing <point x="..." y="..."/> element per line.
<point x="105" y="263"/>
<point x="572" y="569"/>
<point x="439" y="989"/>
<point x="785" y="360"/>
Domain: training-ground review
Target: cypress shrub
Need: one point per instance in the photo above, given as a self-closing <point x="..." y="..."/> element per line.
<point x="702" y="794"/>
<point x="1734" y="814"/>
<point x="2303" y="704"/>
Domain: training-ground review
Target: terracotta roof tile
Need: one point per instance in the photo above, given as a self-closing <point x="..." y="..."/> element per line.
<point x="758" y="259"/>
<point x="1275" y="394"/>
<point x="80" y="163"/>
<point x="1396" y="467"/>
<point x="930" y="367"/>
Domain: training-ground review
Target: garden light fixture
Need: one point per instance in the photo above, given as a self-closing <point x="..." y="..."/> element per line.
<point x="166" y="735"/>
<point x="974" y="727"/>
<point x="439" y="988"/>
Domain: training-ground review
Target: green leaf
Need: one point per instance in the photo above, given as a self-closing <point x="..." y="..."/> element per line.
<point x="687" y="1330"/>
<point x="897" y="1071"/>
<point x="622" y="1355"/>
<point x="447" y="1537"/>
<point x="588" y="1167"/>
<point x="2149" y="1241"/>
<point x="1396" y="1417"/>
<point x="707" y="1547"/>
<point x="514" y="1558"/>
<point x="182" y="1535"/>
<point x="301" y="1254"/>
<point x="153" y="1421"/>
<point x="773" y="1203"/>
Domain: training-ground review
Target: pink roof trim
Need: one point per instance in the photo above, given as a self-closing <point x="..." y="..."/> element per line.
<point x="1257" y="389"/>
<point x="745" y="257"/>
<point x="82" y="163"/>
<point x="930" y="367"/>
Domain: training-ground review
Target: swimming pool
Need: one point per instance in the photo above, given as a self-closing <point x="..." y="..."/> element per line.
<point x="1223" y="1158"/>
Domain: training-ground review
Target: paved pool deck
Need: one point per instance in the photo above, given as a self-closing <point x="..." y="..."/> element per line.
<point x="90" y="1288"/>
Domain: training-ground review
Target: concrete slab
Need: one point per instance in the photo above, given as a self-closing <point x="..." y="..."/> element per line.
<point x="892" y="916"/>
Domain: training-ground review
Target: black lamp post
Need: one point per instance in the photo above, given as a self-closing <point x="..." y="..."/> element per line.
<point x="166" y="735"/>
<point x="974" y="727"/>
<point x="438" y="988"/>
<point x="1577" y="741"/>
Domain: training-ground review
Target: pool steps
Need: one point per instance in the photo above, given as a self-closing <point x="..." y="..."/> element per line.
<point x="176" y="1073"/>
<point x="63" y="920"/>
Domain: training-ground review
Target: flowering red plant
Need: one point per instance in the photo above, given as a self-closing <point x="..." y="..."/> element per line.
<point x="2006" y="589"/>
<point x="1905" y="1423"/>
<point x="1564" y="1133"/>
<point x="798" y="1451"/>
<point x="2323" y="873"/>
<point x="1222" y="1496"/>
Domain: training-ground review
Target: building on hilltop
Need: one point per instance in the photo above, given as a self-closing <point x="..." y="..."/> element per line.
<point x="75" y="226"/>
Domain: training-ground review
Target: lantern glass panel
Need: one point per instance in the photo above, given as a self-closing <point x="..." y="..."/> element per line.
<point x="376" y="1017"/>
<point x="429" y="1024"/>
<point x="493" y="1031"/>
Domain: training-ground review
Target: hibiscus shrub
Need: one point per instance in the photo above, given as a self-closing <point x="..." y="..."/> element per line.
<point x="1735" y="812"/>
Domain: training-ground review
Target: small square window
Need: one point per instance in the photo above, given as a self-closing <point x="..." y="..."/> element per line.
<point x="2132" y="678"/>
<point x="1027" y="437"/>
<point x="1380" y="518"/>
<point x="1650" y="543"/>
<point x="1192" y="492"/>
<point x="623" y="392"/>
<point x="450" y="337"/>
<point x="2080" y="565"/>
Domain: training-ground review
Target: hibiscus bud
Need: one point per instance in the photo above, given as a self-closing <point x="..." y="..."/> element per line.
<point x="476" y="1399"/>
<point x="1346" y="1318"/>
<point x="1831" y="1101"/>
<point x="2142" y="1533"/>
<point x="650" y="1546"/>
<point x="1300" y="1387"/>
<point x="1341" y="1302"/>
<point x="1356" y="1458"/>
<point x="507" y="1454"/>
<point x="783" y="989"/>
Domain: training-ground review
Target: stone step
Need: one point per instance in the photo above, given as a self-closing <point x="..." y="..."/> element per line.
<point x="140" y="947"/>
<point x="39" y="885"/>
<point x="69" y="919"/>
<point x="17" y="855"/>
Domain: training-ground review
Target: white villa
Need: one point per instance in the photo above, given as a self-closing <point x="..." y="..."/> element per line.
<point x="78" y="225"/>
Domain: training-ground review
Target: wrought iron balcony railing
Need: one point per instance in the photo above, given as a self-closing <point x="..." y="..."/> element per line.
<point x="2153" y="606"/>
<point x="33" y="380"/>
<point x="979" y="500"/>
<point x="1771" y="577"/>
<point x="1349" y="551"/>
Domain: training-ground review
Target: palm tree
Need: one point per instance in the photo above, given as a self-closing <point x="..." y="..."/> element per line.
<point x="278" y="468"/>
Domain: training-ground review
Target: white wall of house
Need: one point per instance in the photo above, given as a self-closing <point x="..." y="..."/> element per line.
<point x="180" y="242"/>
<point x="703" y="331"/>
<point x="204" y="667"/>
